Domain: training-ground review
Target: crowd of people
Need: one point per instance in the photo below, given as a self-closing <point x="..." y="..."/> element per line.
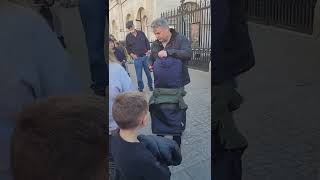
<point x="128" y="106"/>
<point x="50" y="130"/>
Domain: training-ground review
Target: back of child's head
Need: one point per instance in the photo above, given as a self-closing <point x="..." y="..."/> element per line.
<point x="61" y="138"/>
<point x="128" y="109"/>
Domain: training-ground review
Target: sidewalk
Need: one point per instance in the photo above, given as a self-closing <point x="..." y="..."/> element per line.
<point x="196" y="140"/>
<point x="280" y="116"/>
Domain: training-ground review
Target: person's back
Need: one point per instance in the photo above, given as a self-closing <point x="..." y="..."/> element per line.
<point x="133" y="159"/>
<point x="33" y="65"/>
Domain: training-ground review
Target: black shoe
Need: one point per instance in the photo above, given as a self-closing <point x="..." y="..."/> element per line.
<point x="140" y="90"/>
<point x="150" y="88"/>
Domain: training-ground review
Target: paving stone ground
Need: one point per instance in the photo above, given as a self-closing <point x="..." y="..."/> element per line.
<point x="280" y="116"/>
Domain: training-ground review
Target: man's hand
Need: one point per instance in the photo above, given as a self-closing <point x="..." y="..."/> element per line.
<point x="162" y="54"/>
<point x="134" y="57"/>
<point x="150" y="68"/>
<point x="148" y="53"/>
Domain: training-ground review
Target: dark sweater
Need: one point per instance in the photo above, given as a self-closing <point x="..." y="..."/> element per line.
<point x="136" y="162"/>
<point x="137" y="45"/>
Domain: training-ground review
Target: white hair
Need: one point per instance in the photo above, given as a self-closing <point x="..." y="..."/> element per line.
<point x="160" y="22"/>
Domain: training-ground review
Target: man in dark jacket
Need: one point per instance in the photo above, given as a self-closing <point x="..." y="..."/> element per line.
<point x="170" y="43"/>
<point x="170" y="46"/>
<point x="233" y="55"/>
<point x="33" y="65"/>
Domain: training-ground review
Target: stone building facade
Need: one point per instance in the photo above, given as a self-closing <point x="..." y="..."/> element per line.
<point x="142" y="12"/>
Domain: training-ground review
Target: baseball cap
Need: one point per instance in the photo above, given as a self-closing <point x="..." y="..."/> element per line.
<point x="129" y="24"/>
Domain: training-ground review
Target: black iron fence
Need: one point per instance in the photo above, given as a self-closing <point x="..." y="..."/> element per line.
<point x="193" y="19"/>
<point x="296" y="15"/>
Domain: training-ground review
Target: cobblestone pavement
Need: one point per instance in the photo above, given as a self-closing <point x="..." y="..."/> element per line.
<point x="280" y="116"/>
<point x="196" y="140"/>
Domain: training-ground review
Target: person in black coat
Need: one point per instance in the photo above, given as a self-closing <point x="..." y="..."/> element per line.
<point x="93" y="18"/>
<point x="233" y="55"/>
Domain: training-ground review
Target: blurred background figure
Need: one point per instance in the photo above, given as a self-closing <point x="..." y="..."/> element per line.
<point x="93" y="16"/>
<point x="233" y="56"/>
<point x="33" y="65"/>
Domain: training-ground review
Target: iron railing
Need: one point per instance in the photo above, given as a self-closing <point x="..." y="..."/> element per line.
<point x="296" y="15"/>
<point x="193" y="19"/>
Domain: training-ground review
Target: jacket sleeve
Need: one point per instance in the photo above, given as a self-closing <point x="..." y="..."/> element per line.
<point x="163" y="149"/>
<point x="155" y="170"/>
<point x="184" y="52"/>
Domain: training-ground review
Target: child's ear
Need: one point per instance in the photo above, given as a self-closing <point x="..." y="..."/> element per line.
<point x="145" y="120"/>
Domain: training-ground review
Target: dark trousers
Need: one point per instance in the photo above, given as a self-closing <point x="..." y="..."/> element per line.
<point x="229" y="144"/>
<point x="227" y="164"/>
<point x="93" y="16"/>
<point x="177" y="139"/>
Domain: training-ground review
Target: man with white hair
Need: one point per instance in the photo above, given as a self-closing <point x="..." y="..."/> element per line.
<point x="170" y="43"/>
<point x="169" y="56"/>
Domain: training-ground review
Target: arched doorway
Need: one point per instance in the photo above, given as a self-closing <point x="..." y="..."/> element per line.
<point x="141" y="18"/>
<point x="145" y="25"/>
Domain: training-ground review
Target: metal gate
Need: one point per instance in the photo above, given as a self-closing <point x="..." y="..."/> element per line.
<point x="193" y="19"/>
<point x="296" y="15"/>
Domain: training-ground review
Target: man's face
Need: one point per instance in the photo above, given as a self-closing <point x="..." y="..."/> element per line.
<point x="162" y="34"/>
<point x="131" y="30"/>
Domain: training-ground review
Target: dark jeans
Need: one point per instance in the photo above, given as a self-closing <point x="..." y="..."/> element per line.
<point x="139" y="64"/>
<point x="93" y="16"/>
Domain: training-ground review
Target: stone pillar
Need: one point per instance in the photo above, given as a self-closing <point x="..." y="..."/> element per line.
<point x="316" y="20"/>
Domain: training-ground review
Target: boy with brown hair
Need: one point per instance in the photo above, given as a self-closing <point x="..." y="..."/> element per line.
<point x="140" y="157"/>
